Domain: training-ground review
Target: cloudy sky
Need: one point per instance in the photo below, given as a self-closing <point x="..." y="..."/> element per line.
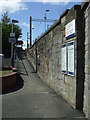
<point x="21" y="10"/>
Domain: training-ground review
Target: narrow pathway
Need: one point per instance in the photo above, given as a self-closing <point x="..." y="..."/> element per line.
<point x="35" y="99"/>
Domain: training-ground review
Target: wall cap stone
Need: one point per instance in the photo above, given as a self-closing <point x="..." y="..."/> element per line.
<point x="64" y="13"/>
<point x="84" y="4"/>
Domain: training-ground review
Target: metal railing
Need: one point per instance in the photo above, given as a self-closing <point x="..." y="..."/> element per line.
<point x="17" y="59"/>
<point x="34" y="59"/>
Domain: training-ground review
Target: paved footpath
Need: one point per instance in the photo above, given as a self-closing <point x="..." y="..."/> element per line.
<point x="32" y="98"/>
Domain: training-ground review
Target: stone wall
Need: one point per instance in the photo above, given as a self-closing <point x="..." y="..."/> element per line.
<point x="86" y="9"/>
<point x="47" y="52"/>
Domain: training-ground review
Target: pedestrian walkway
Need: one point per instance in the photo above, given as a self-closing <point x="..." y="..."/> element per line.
<point x="35" y="99"/>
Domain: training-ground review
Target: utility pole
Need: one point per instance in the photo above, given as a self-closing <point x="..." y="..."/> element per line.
<point x="30" y="31"/>
<point x="27" y="40"/>
<point x="36" y="55"/>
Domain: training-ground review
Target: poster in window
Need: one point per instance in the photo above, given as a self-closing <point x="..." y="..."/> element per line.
<point x="64" y="59"/>
<point x="71" y="57"/>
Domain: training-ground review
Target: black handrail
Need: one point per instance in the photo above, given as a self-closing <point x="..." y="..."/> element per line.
<point x="35" y="59"/>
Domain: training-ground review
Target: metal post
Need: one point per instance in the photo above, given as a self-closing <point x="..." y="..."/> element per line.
<point x="36" y="56"/>
<point x="27" y="40"/>
<point x="12" y="49"/>
<point x="11" y="52"/>
<point x="45" y="20"/>
<point x="30" y="31"/>
<point x="14" y="54"/>
<point x="12" y="27"/>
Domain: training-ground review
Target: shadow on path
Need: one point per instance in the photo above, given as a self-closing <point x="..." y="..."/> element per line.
<point x="19" y="85"/>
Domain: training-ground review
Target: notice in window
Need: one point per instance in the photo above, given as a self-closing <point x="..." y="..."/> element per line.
<point x="71" y="58"/>
<point x="64" y="59"/>
<point x="70" y="29"/>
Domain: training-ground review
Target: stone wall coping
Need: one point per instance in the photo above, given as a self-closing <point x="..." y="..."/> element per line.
<point x="64" y="13"/>
<point x="84" y="4"/>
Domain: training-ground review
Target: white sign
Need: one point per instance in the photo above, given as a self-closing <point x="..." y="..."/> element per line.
<point x="70" y="29"/>
<point x="12" y="40"/>
<point x="64" y="59"/>
<point x="71" y="58"/>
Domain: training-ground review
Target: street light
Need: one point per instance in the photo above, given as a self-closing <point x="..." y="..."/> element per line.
<point x="45" y="18"/>
<point x="14" y="21"/>
<point x="27" y="39"/>
<point x="12" y="35"/>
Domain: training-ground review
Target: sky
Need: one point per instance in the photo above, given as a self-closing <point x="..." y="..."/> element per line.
<point x="21" y="10"/>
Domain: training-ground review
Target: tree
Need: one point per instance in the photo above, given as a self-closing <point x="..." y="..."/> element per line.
<point x="6" y="30"/>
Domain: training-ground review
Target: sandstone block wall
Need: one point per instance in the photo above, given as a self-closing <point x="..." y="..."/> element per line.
<point x="86" y="8"/>
<point x="48" y="51"/>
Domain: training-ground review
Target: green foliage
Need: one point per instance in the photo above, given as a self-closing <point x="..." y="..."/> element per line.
<point x="5" y="19"/>
<point x="6" y="30"/>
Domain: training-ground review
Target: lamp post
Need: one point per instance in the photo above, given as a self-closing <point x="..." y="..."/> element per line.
<point x="30" y="31"/>
<point x="31" y="28"/>
<point x="45" y="18"/>
<point x="27" y="39"/>
<point x="32" y="35"/>
<point x="12" y="35"/>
